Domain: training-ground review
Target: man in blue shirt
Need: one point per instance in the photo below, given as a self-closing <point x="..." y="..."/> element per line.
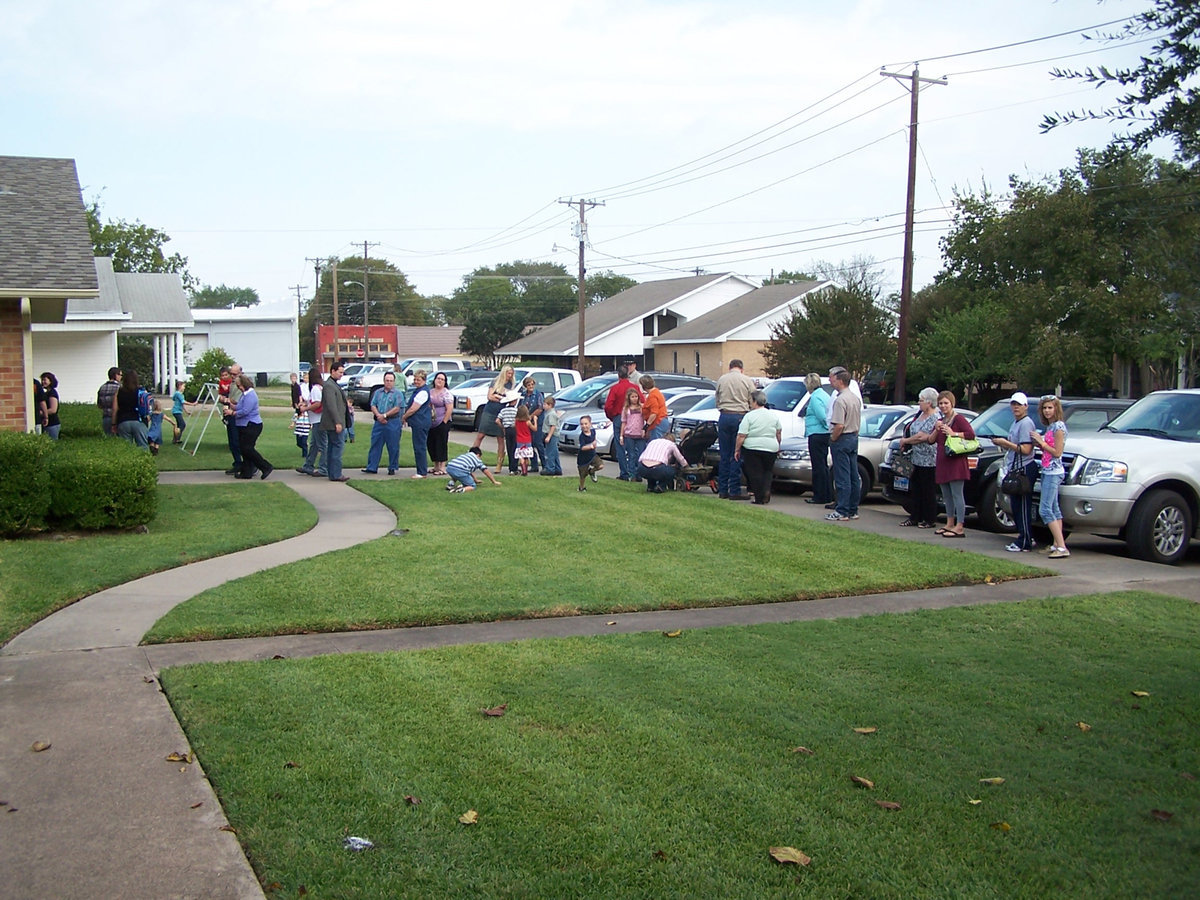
<point x="386" y="407"/>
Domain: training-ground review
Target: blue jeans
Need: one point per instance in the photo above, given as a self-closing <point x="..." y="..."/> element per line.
<point x="333" y="454"/>
<point x="318" y="448"/>
<point x="1048" y="508"/>
<point x="235" y="446"/>
<point x="818" y="456"/>
<point x="135" y="432"/>
<point x="550" y="461"/>
<point x="385" y="434"/>
<point x="419" y="426"/>
<point x="657" y="476"/>
<point x="658" y="431"/>
<point x="845" y="473"/>
<point x="729" y="476"/>
<point x="630" y="450"/>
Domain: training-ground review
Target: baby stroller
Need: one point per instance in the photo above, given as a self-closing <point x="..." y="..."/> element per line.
<point x="693" y="447"/>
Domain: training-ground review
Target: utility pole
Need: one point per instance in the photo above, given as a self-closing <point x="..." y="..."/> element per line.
<point x="584" y="206"/>
<point x="366" y="305"/>
<point x="915" y="81"/>
<point x="336" y="345"/>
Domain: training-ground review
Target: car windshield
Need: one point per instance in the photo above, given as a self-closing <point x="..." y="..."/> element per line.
<point x="586" y="390"/>
<point x="706" y="403"/>
<point x="1167" y="414"/>
<point x="996" y="421"/>
<point x="876" y="422"/>
<point x="474" y="382"/>
<point x="785" y="395"/>
<point x="353" y="369"/>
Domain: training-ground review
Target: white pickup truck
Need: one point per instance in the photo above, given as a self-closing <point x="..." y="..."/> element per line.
<point x="1139" y="477"/>
<point x="469" y="402"/>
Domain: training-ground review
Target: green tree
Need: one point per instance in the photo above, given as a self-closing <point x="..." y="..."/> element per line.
<point x="134" y="247"/>
<point x="1164" y="94"/>
<point x="603" y="285"/>
<point x="783" y="276"/>
<point x="207" y="368"/>
<point x="223" y="297"/>
<point x="846" y="324"/>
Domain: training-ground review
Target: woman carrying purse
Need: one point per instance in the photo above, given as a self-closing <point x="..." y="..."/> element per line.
<point x="1019" y="445"/>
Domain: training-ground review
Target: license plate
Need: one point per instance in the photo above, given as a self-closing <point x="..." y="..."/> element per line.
<point x="900" y="483"/>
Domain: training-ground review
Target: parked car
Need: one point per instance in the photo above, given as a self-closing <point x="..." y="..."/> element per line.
<point x="982" y="490"/>
<point x="469" y="401"/>
<point x="879" y="426"/>
<point x="1138" y="478"/>
<point x="679" y="400"/>
<point x="408" y="367"/>
<point x="592" y="393"/>
<point x="349" y="372"/>
<point x="877" y="386"/>
<point x="362" y="384"/>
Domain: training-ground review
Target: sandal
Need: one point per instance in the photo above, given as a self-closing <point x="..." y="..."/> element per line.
<point x="908" y="523"/>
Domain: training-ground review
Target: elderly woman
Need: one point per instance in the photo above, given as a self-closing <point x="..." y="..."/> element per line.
<point x="920" y="441"/>
<point x="816" y="426"/>
<point x="488" y="426"/>
<point x="952" y="472"/>
<point x="757" y="447"/>
<point x="249" y="425"/>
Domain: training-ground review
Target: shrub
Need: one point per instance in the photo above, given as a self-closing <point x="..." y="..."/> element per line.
<point x="78" y="420"/>
<point x="25" y="485"/>
<point x="206" y="368"/>
<point x="101" y="484"/>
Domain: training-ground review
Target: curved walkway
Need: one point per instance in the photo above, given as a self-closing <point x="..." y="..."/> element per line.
<point x="103" y="814"/>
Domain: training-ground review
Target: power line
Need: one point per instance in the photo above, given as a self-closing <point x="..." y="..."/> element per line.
<point x="1047" y="37"/>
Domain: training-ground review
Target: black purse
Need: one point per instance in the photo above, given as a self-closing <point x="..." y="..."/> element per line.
<point x="1016" y="483"/>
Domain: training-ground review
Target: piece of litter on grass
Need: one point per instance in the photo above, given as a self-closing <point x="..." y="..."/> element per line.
<point x="974" y="802"/>
<point x="672" y="633"/>
<point x="613" y="622"/>
<point x="996" y="780"/>
<point x="871" y="729"/>
<point x="350" y="842"/>
<point x="1140" y="693"/>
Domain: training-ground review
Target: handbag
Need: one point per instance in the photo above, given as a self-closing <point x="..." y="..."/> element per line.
<point x="1016" y="483"/>
<point x="960" y="446"/>
<point x="902" y="463"/>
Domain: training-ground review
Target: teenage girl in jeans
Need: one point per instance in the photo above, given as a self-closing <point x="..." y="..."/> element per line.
<point x="1052" y="472"/>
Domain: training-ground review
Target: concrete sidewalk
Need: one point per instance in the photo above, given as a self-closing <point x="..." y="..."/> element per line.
<point x="103" y="814"/>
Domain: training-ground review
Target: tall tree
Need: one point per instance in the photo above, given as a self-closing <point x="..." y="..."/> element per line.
<point x="602" y="285"/>
<point x="1164" y="94"/>
<point x="134" y="247"/>
<point x="223" y="296"/>
<point x="846" y="325"/>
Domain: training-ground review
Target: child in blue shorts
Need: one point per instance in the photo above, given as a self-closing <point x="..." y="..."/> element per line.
<point x="461" y="470"/>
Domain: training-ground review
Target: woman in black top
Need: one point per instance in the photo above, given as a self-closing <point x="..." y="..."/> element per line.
<point x="126" y="422"/>
<point x="50" y="393"/>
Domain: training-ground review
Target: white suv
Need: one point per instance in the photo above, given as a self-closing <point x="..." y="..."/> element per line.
<point x="1139" y="477"/>
<point x="469" y="403"/>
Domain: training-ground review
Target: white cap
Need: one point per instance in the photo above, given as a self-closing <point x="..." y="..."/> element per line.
<point x="1019" y="397"/>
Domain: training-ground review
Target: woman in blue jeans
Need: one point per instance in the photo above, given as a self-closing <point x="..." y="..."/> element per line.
<point x="1052" y="445"/>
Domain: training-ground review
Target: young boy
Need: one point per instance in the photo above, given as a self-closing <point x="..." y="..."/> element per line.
<point x="589" y="462"/>
<point x="551" y="419"/>
<point x="508" y="421"/>
<point x="460" y="470"/>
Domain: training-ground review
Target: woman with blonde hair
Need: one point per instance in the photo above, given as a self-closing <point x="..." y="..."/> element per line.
<point x="505" y="382"/>
<point x="1052" y="445"/>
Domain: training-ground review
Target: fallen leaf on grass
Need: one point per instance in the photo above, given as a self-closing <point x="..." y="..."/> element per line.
<point x="197" y="804"/>
<point x="291" y="765"/>
<point x="272" y="887"/>
<point x="613" y="622"/>
<point x="1162" y="815"/>
<point x="278" y="656"/>
<point x="672" y="633"/>
<point x="496" y="710"/>
<point x="659" y="854"/>
<point x="974" y="802"/>
<point x="868" y="730"/>
<point x="803" y="750"/>
<point x="411" y="800"/>
<point x="996" y="780"/>
<point x="887" y="804"/>
<point x="789" y="855"/>
<point x="39" y="746"/>
<point x="1083" y="726"/>
<point x="1187" y="775"/>
<point x="1140" y="693"/>
<point x="863" y="782"/>
<point x="228" y="828"/>
<point x="1002" y="826"/>
<point x="470" y="817"/>
<point x="179" y="757"/>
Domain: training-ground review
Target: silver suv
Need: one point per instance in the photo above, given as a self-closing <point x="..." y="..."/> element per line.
<point x="1139" y="477"/>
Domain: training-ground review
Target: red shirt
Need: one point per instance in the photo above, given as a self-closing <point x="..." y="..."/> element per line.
<point x="524" y="435"/>
<point x="615" y="402"/>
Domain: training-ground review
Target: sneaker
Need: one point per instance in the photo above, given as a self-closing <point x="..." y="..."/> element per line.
<point x="835" y="517"/>
<point x="1059" y="553"/>
<point x="594" y="477"/>
<point x="1014" y="547"/>
<point x="853" y="516"/>
<point x="458" y="489"/>
<point x="582" y="489"/>
<point x="418" y="475"/>
<point x="450" y="485"/>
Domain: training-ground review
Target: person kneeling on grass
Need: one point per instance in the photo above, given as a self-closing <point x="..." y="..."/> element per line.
<point x="461" y="470"/>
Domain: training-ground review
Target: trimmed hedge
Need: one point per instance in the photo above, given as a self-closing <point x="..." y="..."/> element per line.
<point x="24" y="482"/>
<point x="86" y="484"/>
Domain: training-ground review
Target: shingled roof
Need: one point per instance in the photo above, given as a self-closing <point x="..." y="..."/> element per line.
<point x="631" y="305"/>
<point x="724" y="321"/>
<point x="45" y="247"/>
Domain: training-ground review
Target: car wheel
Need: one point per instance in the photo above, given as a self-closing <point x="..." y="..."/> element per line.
<point x="992" y="515"/>
<point x="1159" y="528"/>
<point x="866" y="483"/>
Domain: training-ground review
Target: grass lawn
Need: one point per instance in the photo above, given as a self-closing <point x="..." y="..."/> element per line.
<point x="41" y="574"/>
<point x="535" y="547"/>
<point x="649" y="766"/>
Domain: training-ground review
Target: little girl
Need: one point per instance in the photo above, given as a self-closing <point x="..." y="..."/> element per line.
<point x="524" y="439"/>
<point x="633" y="430"/>
<point x="154" y="435"/>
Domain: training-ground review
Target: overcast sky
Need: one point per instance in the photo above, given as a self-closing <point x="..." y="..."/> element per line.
<point x="746" y="137"/>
